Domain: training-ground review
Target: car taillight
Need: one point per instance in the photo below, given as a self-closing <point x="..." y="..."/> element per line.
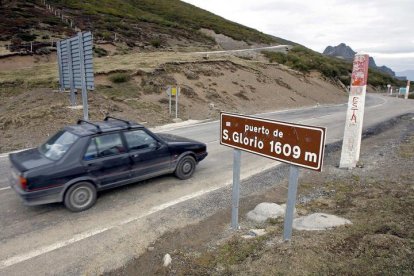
<point x="23" y="182"/>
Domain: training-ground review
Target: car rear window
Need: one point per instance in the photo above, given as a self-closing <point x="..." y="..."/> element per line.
<point x="58" y="145"/>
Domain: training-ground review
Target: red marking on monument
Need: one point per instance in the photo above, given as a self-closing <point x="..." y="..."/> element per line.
<point x="360" y="70"/>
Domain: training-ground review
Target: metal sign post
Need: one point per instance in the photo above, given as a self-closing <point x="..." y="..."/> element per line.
<point x="235" y="199"/>
<point x="176" y="101"/>
<point x="173" y="91"/>
<point x="169" y="99"/>
<point x="291" y="202"/>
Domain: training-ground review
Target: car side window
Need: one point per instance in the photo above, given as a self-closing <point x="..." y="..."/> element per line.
<point x="92" y="152"/>
<point x="109" y="144"/>
<point x="139" y="139"/>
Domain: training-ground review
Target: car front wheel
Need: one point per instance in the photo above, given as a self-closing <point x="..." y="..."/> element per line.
<point x="185" y="167"/>
<point x="80" y="196"/>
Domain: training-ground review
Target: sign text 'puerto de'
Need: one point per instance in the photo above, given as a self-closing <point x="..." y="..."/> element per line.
<point x="295" y="144"/>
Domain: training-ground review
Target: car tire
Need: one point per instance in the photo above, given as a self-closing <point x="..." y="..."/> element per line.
<point x="80" y="196"/>
<point x="185" y="168"/>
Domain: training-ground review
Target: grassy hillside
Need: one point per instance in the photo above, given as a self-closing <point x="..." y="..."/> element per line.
<point x="170" y="13"/>
<point x="306" y="60"/>
<point x="137" y="22"/>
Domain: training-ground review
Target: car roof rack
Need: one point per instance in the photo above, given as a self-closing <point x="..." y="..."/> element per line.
<point x="113" y="118"/>
<point x="87" y="122"/>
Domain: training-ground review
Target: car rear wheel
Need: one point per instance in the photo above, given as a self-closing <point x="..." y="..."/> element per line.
<point x="80" y="196"/>
<point x="185" y="167"/>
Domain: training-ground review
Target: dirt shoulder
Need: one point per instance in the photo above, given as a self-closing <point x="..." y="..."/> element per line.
<point x="378" y="197"/>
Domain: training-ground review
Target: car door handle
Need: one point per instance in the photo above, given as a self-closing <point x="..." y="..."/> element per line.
<point x="135" y="155"/>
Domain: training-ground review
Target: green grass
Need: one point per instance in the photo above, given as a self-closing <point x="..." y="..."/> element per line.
<point x="116" y="15"/>
<point x="306" y="60"/>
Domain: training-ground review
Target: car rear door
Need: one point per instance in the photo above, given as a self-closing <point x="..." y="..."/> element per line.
<point x="107" y="159"/>
<point x="149" y="156"/>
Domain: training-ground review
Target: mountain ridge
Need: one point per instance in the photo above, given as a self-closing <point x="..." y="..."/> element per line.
<point x="345" y="52"/>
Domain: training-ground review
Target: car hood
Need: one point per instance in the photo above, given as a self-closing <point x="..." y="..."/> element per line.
<point x="29" y="159"/>
<point x="170" y="138"/>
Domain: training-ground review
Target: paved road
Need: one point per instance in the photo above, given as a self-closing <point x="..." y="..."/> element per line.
<point x="50" y="240"/>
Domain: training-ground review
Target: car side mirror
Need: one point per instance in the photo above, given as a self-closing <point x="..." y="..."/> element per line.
<point x="156" y="145"/>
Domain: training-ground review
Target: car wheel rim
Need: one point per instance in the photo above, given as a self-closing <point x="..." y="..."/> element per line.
<point x="81" y="197"/>
<point x="187" y="167"/>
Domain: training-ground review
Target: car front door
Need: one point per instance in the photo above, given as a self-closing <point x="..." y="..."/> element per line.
<point x="107" y="159"/>
<point x="149" y="156"/>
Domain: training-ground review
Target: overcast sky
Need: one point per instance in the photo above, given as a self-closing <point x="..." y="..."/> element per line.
<point x="382" y="28"/>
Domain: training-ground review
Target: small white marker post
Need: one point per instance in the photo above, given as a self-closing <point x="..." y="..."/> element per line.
<point x="355" y="114"/>
<point x="407" y="90"/>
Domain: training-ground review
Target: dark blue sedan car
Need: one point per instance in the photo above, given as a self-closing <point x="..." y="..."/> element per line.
<point x="88" y="157"/>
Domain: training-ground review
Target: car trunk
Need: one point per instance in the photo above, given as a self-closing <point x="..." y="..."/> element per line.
<point x="28" y="159"/>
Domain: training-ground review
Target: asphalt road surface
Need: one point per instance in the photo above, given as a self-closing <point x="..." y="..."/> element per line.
<point x="51" y="240"/>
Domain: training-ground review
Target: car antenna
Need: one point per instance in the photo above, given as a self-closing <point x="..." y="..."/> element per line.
<point x="125" y="121"/>
<point x="87" y="122"/>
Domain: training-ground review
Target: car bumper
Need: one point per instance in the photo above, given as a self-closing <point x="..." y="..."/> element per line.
<point x="33" y="198"/>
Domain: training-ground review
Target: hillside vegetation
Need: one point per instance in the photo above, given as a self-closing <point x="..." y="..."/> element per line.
<point x="136" y="22"/>
<point x="306" y="60"/>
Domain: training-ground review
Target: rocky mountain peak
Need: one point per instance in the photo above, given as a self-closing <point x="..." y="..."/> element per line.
<point x="345" y="52"/>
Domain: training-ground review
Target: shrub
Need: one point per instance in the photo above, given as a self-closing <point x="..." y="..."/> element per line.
<point x="119" y="77"/>
<point x="155" y="43"/>
<point x="26" y="36"/>
<point x="100" y="52"/>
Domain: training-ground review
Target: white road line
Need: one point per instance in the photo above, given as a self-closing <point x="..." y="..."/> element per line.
<point x="5" y="188"/>
<point x="23" y="257"/>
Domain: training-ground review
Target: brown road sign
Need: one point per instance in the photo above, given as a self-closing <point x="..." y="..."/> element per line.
<point x="295" y="144"/>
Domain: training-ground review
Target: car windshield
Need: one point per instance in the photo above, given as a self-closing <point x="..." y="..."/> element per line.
<point x="58" y="145"/>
